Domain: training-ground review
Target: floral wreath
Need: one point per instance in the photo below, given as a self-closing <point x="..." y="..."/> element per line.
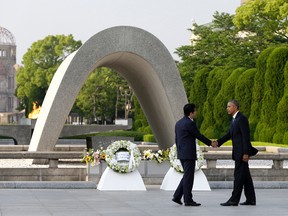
<point x="123" y="167"/>
<point x="176" y="164"/>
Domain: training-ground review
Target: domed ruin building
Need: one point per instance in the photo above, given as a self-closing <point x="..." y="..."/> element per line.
<point x="8" y="71"/>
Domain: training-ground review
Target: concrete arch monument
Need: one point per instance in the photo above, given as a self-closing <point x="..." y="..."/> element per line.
<point x="135" y="54"/>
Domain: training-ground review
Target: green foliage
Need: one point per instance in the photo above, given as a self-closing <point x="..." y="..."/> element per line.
<point x="282" y="114"/>
<point x="274" y="90"/>
<point x="97" y="97"/>
<point x="216" y="44"/>
<point x="149" y="138"/>
<point x="266" y="20"/>
<point x="258" y="91"/>
<point x="214" y="83"/>
<point x="40" y="63"/>
<point x="226" y="93"/>
<point x="199" y="93"/>
<point x="285" y="138"/>
<point x="243" y="90"/>
<point x="141" y="124"/>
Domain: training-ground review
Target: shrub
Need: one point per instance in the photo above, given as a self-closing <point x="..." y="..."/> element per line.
<point x="149" y="138"/>
<point x="258" y="91"/>
<point x="198" y="93"/>
<point x="282" y="113"/>
<point x="225" y="94"/>
<point x="274" y="88"/>
<point x="214" y="83"/>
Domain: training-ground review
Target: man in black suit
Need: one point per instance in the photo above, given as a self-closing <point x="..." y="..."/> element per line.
<point x="186" y="133"/>
<point x="239" y="132"/>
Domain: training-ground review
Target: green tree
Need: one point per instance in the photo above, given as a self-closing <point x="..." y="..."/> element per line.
<point x="226" y="93"/>
<point x="273" y="92"/>
<point x="199" y="93"/>
<point x="215" y="44"/>
<point x="281" y="135"/>
<point x="265" y="20"/>
<point x="214" y="82"/>
<point x="243" y="90"/>
<point x="208" y="49"/>
<point x="40" y="63"/>
<point x="141" y="124"/>
<point x="99" y="98"/>
<point x="258" y="91"/>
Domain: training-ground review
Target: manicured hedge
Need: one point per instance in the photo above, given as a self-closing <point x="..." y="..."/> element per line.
<point x="258" y="91"/>
<point x="281" y="135"/>
<point x="226" y="93"/>
<point x="273" y="92"/>
<point x="149" y="138"/>
<point x="243" y="90"/>
<point x="198" y="93"/>
<point x="214" y="82"/>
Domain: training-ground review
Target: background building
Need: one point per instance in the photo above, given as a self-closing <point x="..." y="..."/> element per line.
<point x="8" y="71"/>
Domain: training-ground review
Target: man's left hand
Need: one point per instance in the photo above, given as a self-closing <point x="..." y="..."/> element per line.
<point x="245" y="158"/>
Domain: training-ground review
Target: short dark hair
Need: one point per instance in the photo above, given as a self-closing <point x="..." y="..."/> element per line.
<point x="236" y="103"/>
<point x="188" y="108"/>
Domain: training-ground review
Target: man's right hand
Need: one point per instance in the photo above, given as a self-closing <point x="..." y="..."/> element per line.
<point x="214" y="144"/>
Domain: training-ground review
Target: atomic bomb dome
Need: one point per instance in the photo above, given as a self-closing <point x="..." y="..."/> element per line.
<point x="8" y="72"/>
<point x="6" y="37"/>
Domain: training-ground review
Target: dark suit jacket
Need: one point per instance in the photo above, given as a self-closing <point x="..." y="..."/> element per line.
<point x="239" y="132"/>
<point x="186" y="133"/>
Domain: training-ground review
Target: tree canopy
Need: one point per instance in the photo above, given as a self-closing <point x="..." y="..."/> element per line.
<point x="264" y="19"/>
<point x="40" y="63"/>
<point x="100" y="98"/>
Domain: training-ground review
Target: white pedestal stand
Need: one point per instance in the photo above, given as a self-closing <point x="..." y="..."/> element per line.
<point x="172" y="179"/>
<point x="111" y="180"/>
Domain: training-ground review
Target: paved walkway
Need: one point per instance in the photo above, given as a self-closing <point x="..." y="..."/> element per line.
<point x="80" y="202"/>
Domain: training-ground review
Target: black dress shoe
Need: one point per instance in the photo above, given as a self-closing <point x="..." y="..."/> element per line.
<point x="248" y="203"/>
<point x="177" y="201"/>
<point x="192" y="204"/>
<point x="229" y="203"/>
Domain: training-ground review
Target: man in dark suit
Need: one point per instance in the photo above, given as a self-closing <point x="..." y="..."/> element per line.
<point x="186" y="133"/>
<point x="242" y="149"/>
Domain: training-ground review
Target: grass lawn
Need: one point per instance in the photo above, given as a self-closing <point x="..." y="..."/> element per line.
<point x="256" y="143"/>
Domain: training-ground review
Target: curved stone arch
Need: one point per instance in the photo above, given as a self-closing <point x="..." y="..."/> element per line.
<point x="135" y="54"/>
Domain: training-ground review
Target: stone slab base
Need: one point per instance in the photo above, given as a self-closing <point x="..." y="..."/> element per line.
<point x="111" y="180"/>
<point x="172" y="179"/>
<point x="47" y="185"/>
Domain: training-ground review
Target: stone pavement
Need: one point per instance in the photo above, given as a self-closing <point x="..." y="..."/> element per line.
<point x="80" y="202"/>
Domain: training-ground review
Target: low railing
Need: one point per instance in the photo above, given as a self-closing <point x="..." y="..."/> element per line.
<point x="277" y="158"/>
<point x="52" y="156"/>
<point x="151" y="172"/>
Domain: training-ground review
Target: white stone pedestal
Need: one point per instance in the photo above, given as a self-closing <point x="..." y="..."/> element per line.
<point x="172" y="179"/>
<point x="111" y="180"/>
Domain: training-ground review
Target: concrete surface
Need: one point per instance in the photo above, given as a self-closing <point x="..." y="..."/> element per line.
<point x="153" y="202"/>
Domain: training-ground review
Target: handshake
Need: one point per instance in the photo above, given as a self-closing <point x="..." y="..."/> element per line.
<point x="214" y="143"/>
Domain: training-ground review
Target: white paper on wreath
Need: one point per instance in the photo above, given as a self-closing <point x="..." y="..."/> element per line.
<point x="173" y="178"/>
<point x="131" y="160"/>
<point x="122" y="156"/>
<point x="111" y="180"/>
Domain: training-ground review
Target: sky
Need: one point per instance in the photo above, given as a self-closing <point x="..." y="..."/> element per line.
<point x="169" y="20"/>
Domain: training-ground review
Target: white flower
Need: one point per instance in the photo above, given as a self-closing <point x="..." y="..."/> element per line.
<point x="123" y="167"/>
<point x="147" y="154"/>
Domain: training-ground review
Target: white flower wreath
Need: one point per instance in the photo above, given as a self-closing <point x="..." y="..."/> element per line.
<point x="123" y="166"/>
<point x="176" y="164"/>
